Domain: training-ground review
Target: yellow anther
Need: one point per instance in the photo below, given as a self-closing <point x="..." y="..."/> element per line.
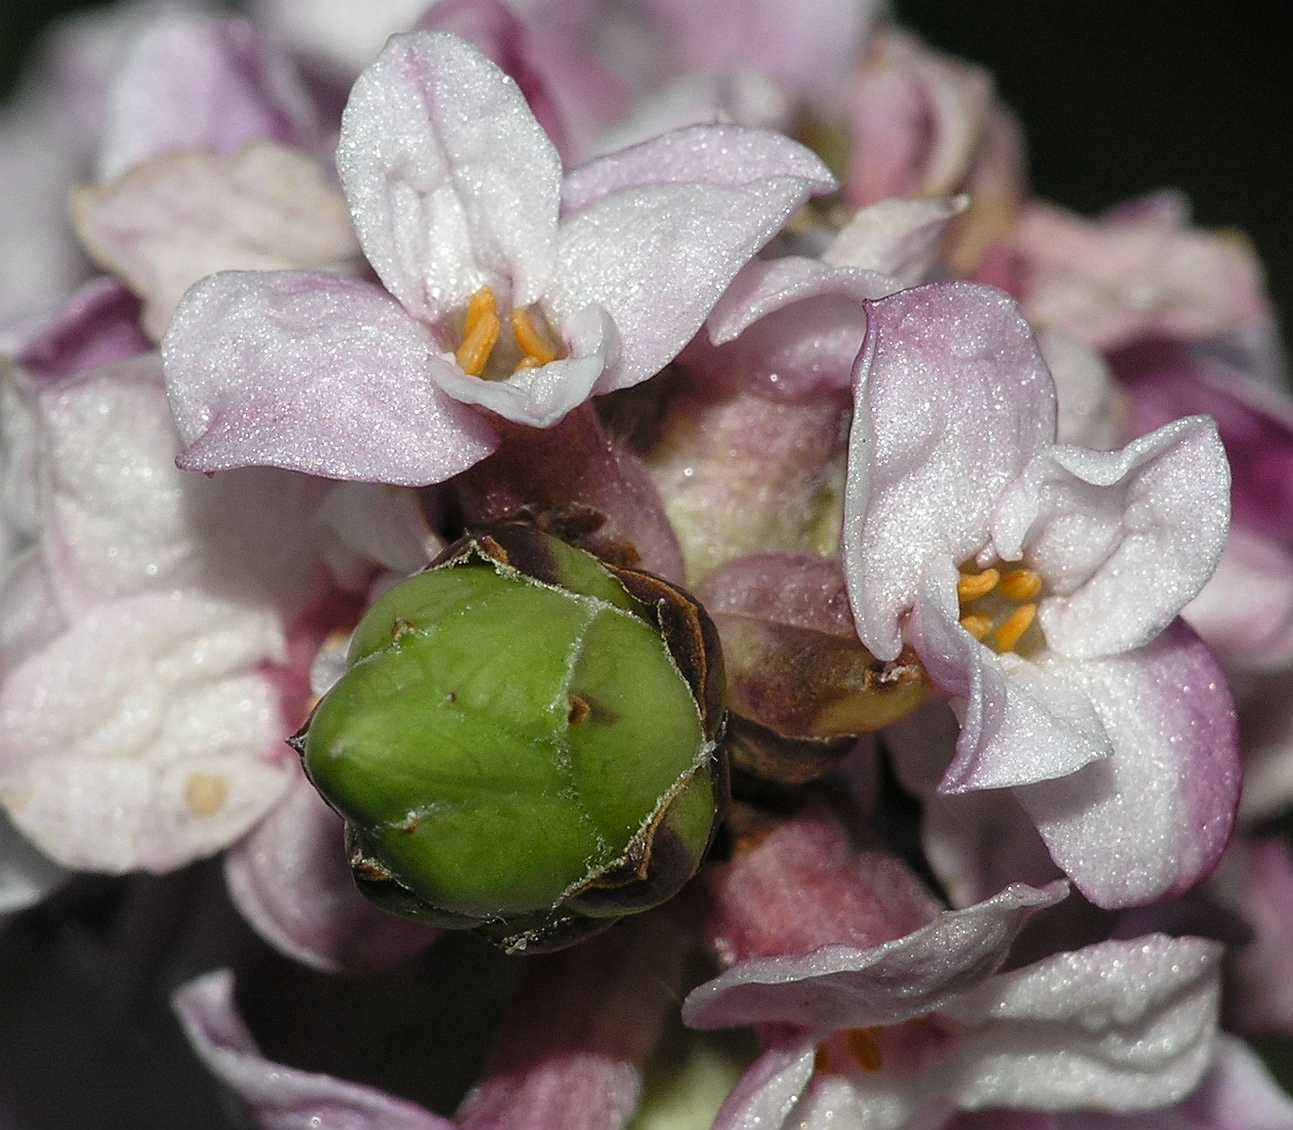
<point x="479" y="332"/>
<point x="866" y="1048"/>
<point x="1021" y="584"/>
<point x="1012" y="631"/>
<point x="977" y="625"/>
<point x="971" y="586"/>
<point x="531" y="339"/>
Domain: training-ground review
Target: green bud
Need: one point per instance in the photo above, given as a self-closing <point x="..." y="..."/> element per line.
<point x="525" y="742"/>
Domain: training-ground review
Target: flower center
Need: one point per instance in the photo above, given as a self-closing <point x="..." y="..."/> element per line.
<point x="999" y="607"/>
<point x="483" y="327"/>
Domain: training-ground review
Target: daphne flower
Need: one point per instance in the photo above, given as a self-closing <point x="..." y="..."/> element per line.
<point x="494" y="267"/>
<point x="1073" y="562"/>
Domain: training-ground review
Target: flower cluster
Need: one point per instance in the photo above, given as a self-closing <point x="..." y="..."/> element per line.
<point x="930" y="792"/>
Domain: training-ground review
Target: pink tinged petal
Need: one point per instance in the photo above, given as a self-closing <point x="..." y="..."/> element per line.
<point x="952" y="399"/>
<point x="313" y="373"/>
<point x="898" y="238"/>
<point x="1093" y="408"/>
<point x="381" y="525"/>
<point x="797" y="589"/>
<point x="1019" y="724"/>
<point x="1120" y="1026"/>
<point x="724" y="156"/>
<point x="193" y="82"/>
<point x="281" y="1097"/>
<point x="540" y="397"/>
<point x="1124" y="539"/>
<point x="290" y="880"/>
<point x="170" y="222"/>
<point x="1245" y="612"/>
<point x="143" y="736"/>
<point x="838" y="986"/>
<point x="766" y="1096"/>
<point x="97" y="326"/>
<point x="338" y="34"/>
<point x="26" y="875"/>
<point x="1237" y="1093"/>
<point x="452" y="183"/>
<point x="1152" y="819"/>
<point x="570" y="1054"/>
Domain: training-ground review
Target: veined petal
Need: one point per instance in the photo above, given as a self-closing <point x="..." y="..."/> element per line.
<point x="175" y="220"/>
<point x="725" y="156"/>
<point x="952" y="399"/>
<point x="836" y="987"/>
<point x="1125" y="539"/>
<point x="1118" y="1026"/>
<point x="899" y="238"/>
<point x="290" y="880"/>
<point x="540" y="397"/>
<point x="194" y="82"/>
<point x="1152" y="819"/>
<point x="280" y="1097"/>
<point x="314" y="373"/>
<point x="452" y="183"/>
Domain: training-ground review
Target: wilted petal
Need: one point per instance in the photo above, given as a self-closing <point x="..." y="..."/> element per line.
<point x="838" y="986"/>
<point x="170" y="222"/>
<point x="1153" y="818"/>
<point x="540" y="397"/>
<point x="1124" y="539"/>
<point x="98" y="325"/>
<point x="724" y="156"/>
<point x="291" y="881"/>
<point x="193" y="82"/>
<point x="1118" y="1026"/>
<point x="144" y="736"/>
<point x="571" y="1051"/>
<point x="280" y="1097"/>
<point x="899" y="238"/>
<point x="952" y="400"/>
<point x="314" y="373"/>
<point x="452" y="183"/>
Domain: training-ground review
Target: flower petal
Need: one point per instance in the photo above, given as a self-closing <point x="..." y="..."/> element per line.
<point x="1125" y="539"/>
<point x="194" y="82"/>
<point x="338" y="34"/>
<point x="1153" y="818"/>
<point x="452" y="183"/>
<point x="540" y="397"/>
<point x="899" y="238"/>
<point x="381" y="524"/>
<point x="1093" y="408"/>
<point x="796" y="589"/>
<point x="98" y="325"/>
<point x="767" y="1093"/>
<point x="290" y="880"/>
<point x="26" y="875"/>
<point x="952" y="400"/>
<point x="282" y="1098"/>
<point x="170" y="222"/>
<point x="837" y="986"/>
<point x="314" y="373"/>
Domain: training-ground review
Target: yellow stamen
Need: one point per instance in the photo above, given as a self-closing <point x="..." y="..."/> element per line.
<point x="528" y="363"/>
<point x="479" y="332"/>
<point x="1012" y="631"/>
<point x="971" y="586"/>
<point x="531" y="339"/>
<point x="1020" y="585"/>
<point x="866" y="1048"/>
<point x="977" y="625"/>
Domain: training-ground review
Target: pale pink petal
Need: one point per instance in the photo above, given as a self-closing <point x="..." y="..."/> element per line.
<point x="291" y="881"/>
<point x="452" y="183"/>
<point x="98" y="325"/>
<point x="540" y="397"/>
<point x="839" y="986"/>
<point x="194" y="82"/>
<point x="767" y="1093"/>
<point x="952" y="399"/>
<point x="899" y="238"/>
<point x="724" y="156"/>
<point x="1245" y="612"/>
<point x="1123" y="539"/>
<point x="1019" y="723"/>
<point x="783" y="588"/>
<point x="570" y="1054"/>
<point x="175" y="220"/>
<point x="1237" y="1093"/>
<point x="143" y="736"/>
<point x="280" y="1097"/>
<point x="314" y="373"/>
<point x="1119" y="1026"/>
<point x="339" y="35"/>
<point x="381" y="524"/>
<point x="1153" y="818"/>
<point x="1093" y="408"/>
